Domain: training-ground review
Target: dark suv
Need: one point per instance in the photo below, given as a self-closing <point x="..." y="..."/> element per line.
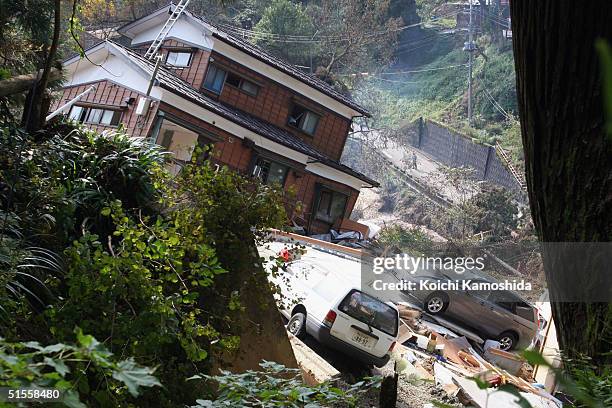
<point x="499" y="315"/>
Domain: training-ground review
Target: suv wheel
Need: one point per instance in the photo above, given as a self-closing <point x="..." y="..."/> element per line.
<point x="507" y="341"/>
<point x="297" y="325"/>
<point x="436" y="303"/>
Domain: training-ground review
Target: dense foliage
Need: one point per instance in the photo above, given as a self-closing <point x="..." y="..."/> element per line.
<point x="97" y="235"/>
<point x="65" y="368"/>
<point x="278" y="386"/>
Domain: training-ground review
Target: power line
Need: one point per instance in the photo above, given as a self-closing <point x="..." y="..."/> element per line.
<point x="413" y="49"/>
<point x="309" y="39"/>
<point x="423" y="70"/>
<point x="496" y="20"/>
<point x="425" y="39"/>
<point x="497" y="105"/>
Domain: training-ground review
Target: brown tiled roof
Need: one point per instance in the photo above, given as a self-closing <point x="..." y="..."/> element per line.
<point x="173" y="83"/>
<point x="290" y="69"/>
<point x="274" y="61"/>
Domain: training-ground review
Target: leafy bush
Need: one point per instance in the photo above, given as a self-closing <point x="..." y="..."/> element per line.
<point x="65" y="367"/>
<point x="87" y="170"/>
<point x="590" y="385"/>
<point x="140" y="254"/>
<point x="496" y="211"/>
<point x="278" y="386"/>
<point x="146" y="287"/>
<point x="413" y="240"/>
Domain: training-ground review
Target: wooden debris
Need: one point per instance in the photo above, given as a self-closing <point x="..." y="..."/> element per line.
<point x="508" y="361"/>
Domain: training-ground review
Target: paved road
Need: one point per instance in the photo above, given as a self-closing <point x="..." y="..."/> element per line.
<point x="427" y="171"/>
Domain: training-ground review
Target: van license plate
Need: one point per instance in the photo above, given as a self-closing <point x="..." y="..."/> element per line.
<point x="363" y="340"/>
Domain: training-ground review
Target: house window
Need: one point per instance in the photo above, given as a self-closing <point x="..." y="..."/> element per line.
<point x="303" y="119"/>
<point x="242" y="84"/>
<point x="331" y="205"/>
<point x="215" y="78"/>
<point x="270" y="172"/>
<point x="97" y="116"/>
<point x="178" y="58"/>
<point x="177" y="140"/>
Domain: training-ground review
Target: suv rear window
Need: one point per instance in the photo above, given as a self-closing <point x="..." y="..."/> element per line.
<point x="371" y="311"/>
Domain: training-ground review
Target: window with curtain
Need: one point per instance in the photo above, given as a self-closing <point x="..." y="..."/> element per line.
<point x="178" y="58"/>
<point x="270" y="172"/>
<point x="303" y="119"/>
<point x="97" y="116"/>
<point x="215" y="78"/>
<point x="331" y="205"/>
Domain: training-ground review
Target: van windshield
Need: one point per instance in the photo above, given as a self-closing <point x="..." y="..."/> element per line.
<point x="370" y="311"/>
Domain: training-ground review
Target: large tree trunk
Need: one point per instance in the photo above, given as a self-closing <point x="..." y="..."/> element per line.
<point x="38" y="100"/>
<point x="568" y="159"/>
<point x="21" y="83"/>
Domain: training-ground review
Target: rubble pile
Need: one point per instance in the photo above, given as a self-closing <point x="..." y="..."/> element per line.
<point x="462" y="373"/>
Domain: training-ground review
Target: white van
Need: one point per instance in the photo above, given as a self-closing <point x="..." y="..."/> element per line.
<point x="330" y="307"/>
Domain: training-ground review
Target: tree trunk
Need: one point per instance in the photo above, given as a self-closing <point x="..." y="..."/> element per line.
<point x="568" y="160"/>
<point x="37" y="100"/>
<point x="21" y="83"/>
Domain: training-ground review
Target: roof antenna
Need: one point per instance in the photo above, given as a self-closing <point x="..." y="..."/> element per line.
<point x="161" y="36"/>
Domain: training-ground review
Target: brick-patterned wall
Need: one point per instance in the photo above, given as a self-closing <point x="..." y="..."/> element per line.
<point x="273" y="102"/>
<point x="233" y="153"/>
<point x="455" y="150"/>
<point x="305" y="187"/>
<point x="230" y="151"/>
<point x="194" y="73"/>
<point x="111" y="94"/>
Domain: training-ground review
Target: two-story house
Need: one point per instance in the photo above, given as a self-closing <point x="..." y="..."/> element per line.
<point x="263" y="116"/>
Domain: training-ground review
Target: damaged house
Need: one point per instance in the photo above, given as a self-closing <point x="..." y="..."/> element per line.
<point x="262" y="116"/>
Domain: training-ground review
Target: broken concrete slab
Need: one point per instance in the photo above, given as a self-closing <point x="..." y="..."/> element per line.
<point x="315" y="369"/>
<point x="482" y="398"/>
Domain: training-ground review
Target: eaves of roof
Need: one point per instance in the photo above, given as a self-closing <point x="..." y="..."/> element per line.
<point x="258" y="53"/>
<point x="171" y="82"/>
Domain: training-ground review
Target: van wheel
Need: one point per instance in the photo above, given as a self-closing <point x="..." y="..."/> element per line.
<point x="436" y="303"/>
<point x="507" y="341"/>
<point x="297" y="325"/>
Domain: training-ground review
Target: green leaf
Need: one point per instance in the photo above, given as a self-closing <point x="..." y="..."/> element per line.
<point x="58" y="365"/>
<point x="71" y="399"/>
<point x="535" y="358"/>
<point x="55" y="348"/>
<point x="605" y="56"/>
<point x="441" y="405"/>
<point x="483" y="385"/>
<point x="134" y="376"/>
<point x="33" y="344"/>
<point x="511" y="389"/>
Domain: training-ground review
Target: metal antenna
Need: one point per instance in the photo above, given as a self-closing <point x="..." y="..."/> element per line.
<point x="161" y="36"/>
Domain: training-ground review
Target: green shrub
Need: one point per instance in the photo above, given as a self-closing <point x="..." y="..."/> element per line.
<point x="66" y="367"/>
<point x="141" y="253"/>
<point x="278" y="386"/>
<point x="413" y="240"/>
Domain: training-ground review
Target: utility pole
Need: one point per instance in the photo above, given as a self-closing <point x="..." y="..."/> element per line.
<point x="469" y="47"/>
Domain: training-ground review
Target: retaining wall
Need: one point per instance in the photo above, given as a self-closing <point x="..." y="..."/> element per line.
<point x="455" y="150"/>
